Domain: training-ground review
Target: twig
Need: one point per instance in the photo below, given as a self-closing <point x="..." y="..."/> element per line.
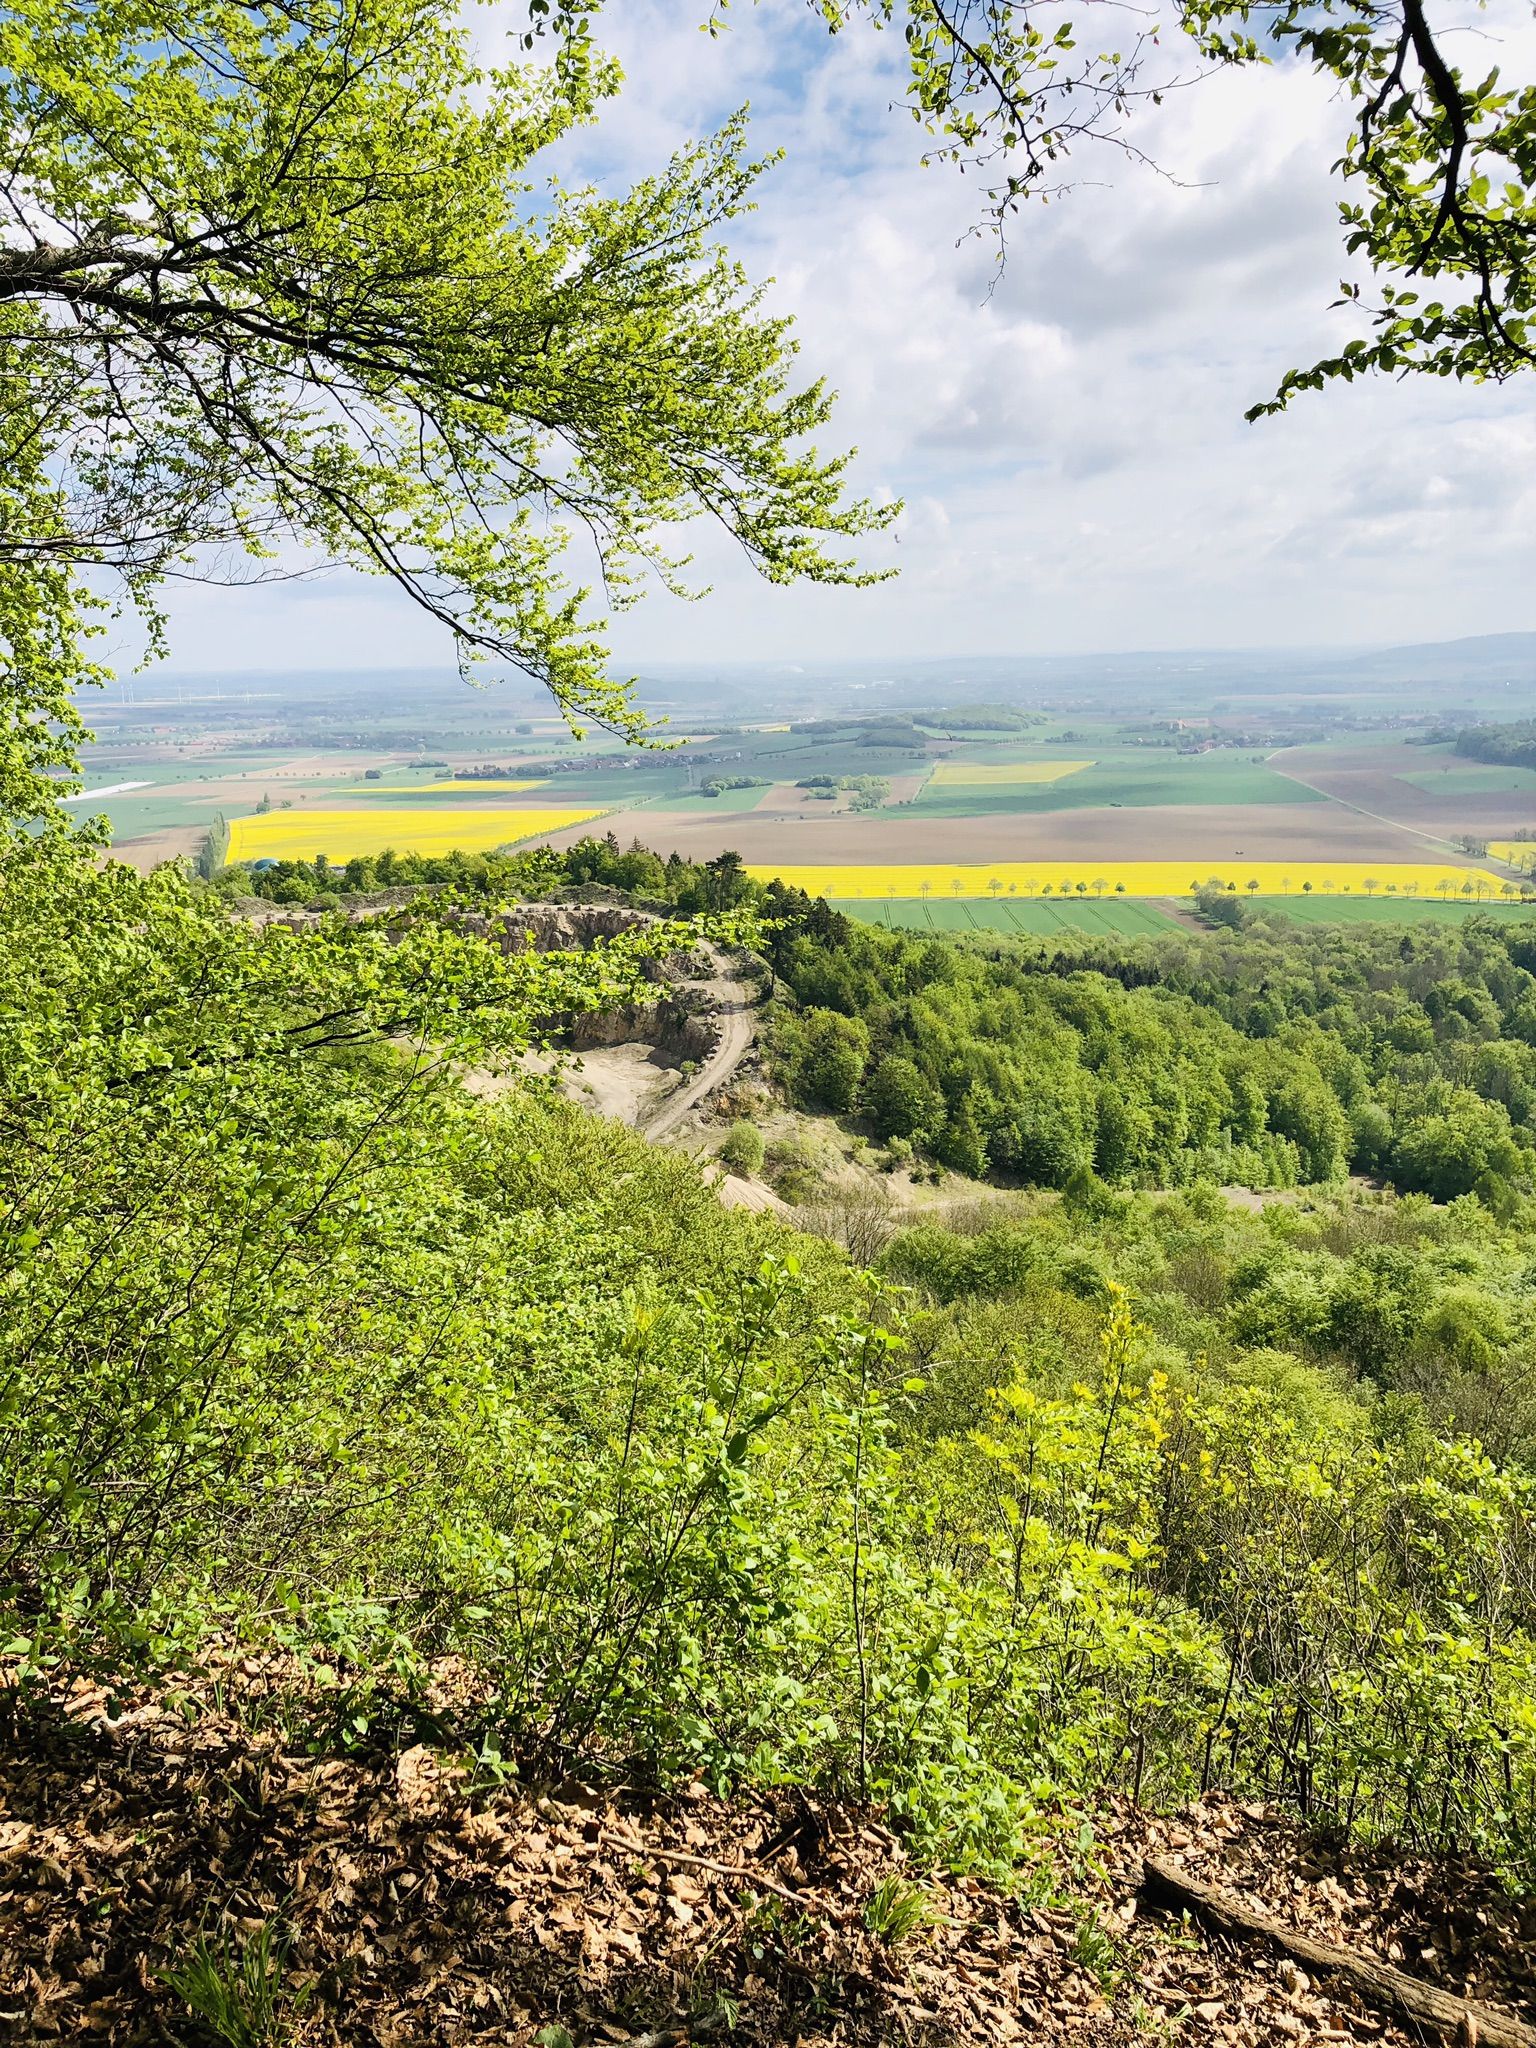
<point x="677" y="2037"/>
<point x="741" y="1870"/>
<point x="1462" y="2018"/>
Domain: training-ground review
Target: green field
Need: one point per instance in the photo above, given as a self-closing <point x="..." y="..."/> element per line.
<point x="727" y="800"/>
<point x="1472" y="779"/>
<point x="1135" y="780"/>
<point x="1036" y="919"/>
<point x="1380" y="909"/>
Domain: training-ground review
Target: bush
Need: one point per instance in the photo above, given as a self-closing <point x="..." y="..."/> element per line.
<point x="742" y="1148"/>
<point x="796" y="1167"/>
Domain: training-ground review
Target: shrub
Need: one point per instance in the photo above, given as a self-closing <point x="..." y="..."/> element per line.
<point x="742" y="1148"/>
<point x="796" y="1167"/>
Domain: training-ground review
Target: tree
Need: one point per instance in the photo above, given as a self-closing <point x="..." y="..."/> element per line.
<point x="830" y="1065"/>
<point x="273" y="278"/>
<point x="900" y="1099"/>
<point x="743" y="1148"/>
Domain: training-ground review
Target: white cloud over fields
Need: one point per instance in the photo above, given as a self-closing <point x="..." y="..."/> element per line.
<point x="1068" y="437"/>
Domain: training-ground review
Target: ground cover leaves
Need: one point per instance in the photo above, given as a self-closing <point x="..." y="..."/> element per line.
<point x="427" y="1905"/>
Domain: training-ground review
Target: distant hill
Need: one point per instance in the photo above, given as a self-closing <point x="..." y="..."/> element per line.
<point x="1481" y="658"/>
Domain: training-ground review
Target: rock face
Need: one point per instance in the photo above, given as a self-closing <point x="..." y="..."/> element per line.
<point x="672" y="1026"/>
<point x="683" y="1027"/>
<point x="555" y="927"/>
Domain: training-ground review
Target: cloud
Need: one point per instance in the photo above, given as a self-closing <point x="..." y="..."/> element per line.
<point x="1067" y="435"/>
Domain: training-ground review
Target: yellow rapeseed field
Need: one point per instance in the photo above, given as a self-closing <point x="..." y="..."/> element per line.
<point x="1518" y="853"/>
<point x="339" y="835"/>
<point x="432" y="788"/>
<point x="1142" y="878"/>
<point x="976" y="773"/>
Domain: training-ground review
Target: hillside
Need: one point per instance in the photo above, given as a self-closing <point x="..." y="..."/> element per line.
<point x="389" y="1457"/>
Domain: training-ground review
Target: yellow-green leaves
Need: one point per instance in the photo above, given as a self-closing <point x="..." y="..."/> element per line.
<point x="299" y="282"/>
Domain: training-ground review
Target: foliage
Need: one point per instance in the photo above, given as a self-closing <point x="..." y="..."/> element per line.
<point x="237" y="1994"/>
<point x="298" y="281"/>
<point x="480" y="878"/>
<point x="303" y="1341"/>
<point x="1264" y="1054"/>
<point x="1512" y="745"/>
<point x="214" y="849"/>
<point x="742" y="1148"/>
<point x="895" y="1910"/>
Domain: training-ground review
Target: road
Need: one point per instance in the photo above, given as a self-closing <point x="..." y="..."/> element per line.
<point x="734" y="1009"/>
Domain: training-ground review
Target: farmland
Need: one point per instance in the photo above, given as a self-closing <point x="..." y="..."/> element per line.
<point x="1155" y="878"/>
<point x="1387" y="909"/>
<point x="1124" y="778"/>
<point x="341" y="835"/>
<point x="1116" y="917"/>
<point x="981" y="774"/>
<point x="463" y="786"/>
<point x="1145" y="810"/>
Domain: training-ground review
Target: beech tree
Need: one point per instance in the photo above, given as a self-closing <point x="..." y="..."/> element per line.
<point x="283" y="279"/>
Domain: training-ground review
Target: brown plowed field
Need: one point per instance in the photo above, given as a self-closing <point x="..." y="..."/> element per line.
<point x="1197" y="832"/>
<point x="1370" y="777"/>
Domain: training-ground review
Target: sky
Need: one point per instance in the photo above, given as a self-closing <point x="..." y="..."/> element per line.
<point x="1066" y="434"/>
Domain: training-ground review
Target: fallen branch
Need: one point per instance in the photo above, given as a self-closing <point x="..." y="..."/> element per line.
<point x="738" y="1870"/>
<point x="1477" y="2026"/>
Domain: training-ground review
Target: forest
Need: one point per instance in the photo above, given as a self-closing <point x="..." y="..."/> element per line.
<point x="1269" y="1056"/>
<point x="1511" y="745"/>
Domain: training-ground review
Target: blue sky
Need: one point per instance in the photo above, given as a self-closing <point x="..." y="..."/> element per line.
<point x="1068" y="438"/>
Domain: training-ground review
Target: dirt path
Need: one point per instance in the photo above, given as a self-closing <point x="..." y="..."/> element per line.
<point x="736" y="1031"/>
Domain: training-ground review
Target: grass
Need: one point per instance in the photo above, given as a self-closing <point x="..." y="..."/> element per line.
<point x="984" y="773"/>
<point x="1384" y="909"/>
<point x="1469" y="781"/>
<point x="1047" y="880"/>
<point x="691" y="800"/>
<point x="1117" y="916"/>
<point x="237" y="1994"/>
<point x="895" y="1910"/>
<point x="339" y="835"/>
<point x="459" y="787"/>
